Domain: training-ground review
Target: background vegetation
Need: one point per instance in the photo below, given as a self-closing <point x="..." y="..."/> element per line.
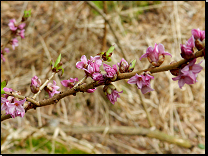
<point x="75" y="29"/>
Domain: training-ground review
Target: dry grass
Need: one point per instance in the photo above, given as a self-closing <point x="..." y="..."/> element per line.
<point x="175" y="111"/>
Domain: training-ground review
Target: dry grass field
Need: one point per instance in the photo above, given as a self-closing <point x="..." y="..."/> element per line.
<point x="82" y="123"/>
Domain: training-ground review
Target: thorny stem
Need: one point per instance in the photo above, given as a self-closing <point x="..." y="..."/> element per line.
<point x="85" y="87"/>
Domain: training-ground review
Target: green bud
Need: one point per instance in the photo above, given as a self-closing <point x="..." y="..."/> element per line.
<point x="112" y="86"/>
<point x="110" y="50"/>
<point x="132" y="65"/>
<point x="3" y="84"/>
<point x="109" y="91"/>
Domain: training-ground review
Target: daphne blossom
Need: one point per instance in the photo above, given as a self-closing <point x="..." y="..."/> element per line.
<point x="12" y="25"/>
<point x="111" y="93"/>
<point x="155" y="55"/>
<point x="89" y="66"/>
<point x="14" y="43"/>
<point x="198" y="34"/>
<point x="35" y="84"/>
<point x="52" y="89"/>
<point x="188" y="74"/>
<point x="111" y="72"/>
<point x="142" y="82"/>
<point x="15" y="108"/>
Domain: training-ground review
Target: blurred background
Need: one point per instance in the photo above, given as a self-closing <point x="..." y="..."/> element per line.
<point x="74" y="29"/>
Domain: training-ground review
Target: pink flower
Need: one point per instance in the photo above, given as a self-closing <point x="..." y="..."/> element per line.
<point x="6" y="50"/>
<point x="2" y="57"/>
<point x="91" y="90"/>
<point x="35" y="84"/>
<point x="198" y="34"/>
<point x="14" y="43"/>
<point x="192" y="69"/>
<point x="52" y="89"/>
<point x="111" y="93"/>
<point x="182" y="79"/>
<point x="83" y="63"/>
<point x="154" y="54"/>
<point x="90" y="66"/>
<point x="98" y="77"/>
<point x="14" y="109"/>
<point x="187" y="49"/>
<point x="21" y="26"/>
<point x="69" y="83"/>
<point x="142" y="82"/>
<point x="22" y="34"/>
<point x="110" y="72"/>
<point x="188" y="74"/>
<point x="123" y="66"/>
<point x="12" y="25"/>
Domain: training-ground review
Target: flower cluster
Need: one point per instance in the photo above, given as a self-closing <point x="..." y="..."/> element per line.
<point x="188" y="74"/>
<point x="196" y="40"/>
<point x="155" y="55"/>
<point x="17" y="30"/>
<point x="142" y="82"/>
<point x="91" y="67"/>
<point x="12" y="105"/>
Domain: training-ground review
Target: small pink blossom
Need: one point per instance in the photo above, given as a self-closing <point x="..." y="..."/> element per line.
<point x="154" y="54"/>
<point x="123" y="66"/>
<point x="142" y="82"/>
<point x="110" y="72"/>
<point x="89" y="66"/>
<point x="98" y="77"/>
<point x="198" y="34"/>
<point x="91" y="90"/>
<point x="14" y="109"/>
<point x="21" y="33"/>
<point x="35" y="84"/>
<point x="12" y="25"/>
<point x="6" y="50"/>
<point x="14" y="43"/>
<point x="83" y="63"/>
<point x="2" y="57"/>
<point x="111" y="93"/>
<point x="187" y="49"/>
<point x="188" y="74"/>
<point x="52" y="89"/>
<point x="21" y="26"/>
<point x="69" y="83"/>
<point x="2" y="53"/>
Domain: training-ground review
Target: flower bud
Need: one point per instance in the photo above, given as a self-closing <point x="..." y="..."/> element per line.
<point x="111" y="93"/>
<point x="199" y="44"/>
<point x="123" y="66"/>
<point x="35" y="84"/>
<point x="132" y="65"/>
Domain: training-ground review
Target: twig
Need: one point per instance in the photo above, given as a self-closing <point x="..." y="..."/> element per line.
<point x="126" y="130"/>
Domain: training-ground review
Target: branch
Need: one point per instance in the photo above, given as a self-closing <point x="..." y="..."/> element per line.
<point x="127" y="130"/>
<point x="92" y="85"/>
